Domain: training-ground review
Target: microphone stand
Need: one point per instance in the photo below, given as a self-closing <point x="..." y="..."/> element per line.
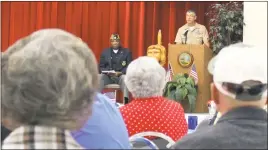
<point x="185" y="35"/>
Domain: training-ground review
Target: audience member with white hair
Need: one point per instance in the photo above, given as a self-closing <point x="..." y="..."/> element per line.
<point x="148" y="110"/>
<point x="240" y="93"/>
<point x="49" y="80"/>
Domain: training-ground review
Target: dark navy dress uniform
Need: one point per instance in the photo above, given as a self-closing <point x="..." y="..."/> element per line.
<point x="115" y="61"/>
<point x="118" y="62"/>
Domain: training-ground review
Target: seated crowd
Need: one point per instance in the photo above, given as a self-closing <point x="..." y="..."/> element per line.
<point x="51" y="98"/>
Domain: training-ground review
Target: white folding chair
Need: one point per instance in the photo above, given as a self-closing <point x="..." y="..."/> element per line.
<point x="146" y="141"/>
<point x="156" y="134"/>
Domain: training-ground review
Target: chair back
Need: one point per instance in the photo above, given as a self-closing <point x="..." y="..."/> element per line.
<point x="156" y="134"/>
<point x="143" y="140"/>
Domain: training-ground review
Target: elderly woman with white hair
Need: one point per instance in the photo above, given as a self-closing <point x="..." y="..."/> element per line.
<point x="149" y="111"/>
<point x="49" y="80"/>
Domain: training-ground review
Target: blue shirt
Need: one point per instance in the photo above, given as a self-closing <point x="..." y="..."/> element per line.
<point x="105" y="129"/>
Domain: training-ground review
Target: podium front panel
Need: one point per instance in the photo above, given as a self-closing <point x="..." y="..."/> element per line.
<point x="201" y="56"/>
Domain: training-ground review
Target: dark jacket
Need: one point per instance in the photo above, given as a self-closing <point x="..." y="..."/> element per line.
<point x="204" y="124"/>
<point x="4" y="133"/>
<point x="207" y="122"/>
<point x="124" y="60"/>
<point x="241" y="128"/>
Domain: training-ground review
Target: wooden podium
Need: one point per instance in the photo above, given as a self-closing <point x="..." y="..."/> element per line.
<point x="201" y="56"/>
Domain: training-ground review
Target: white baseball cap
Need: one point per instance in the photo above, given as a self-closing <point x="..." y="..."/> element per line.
<point x="238" y="63"/>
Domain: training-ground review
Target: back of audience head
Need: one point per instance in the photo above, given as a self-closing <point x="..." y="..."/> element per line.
<point x="145" y="77"/>
<point x="239" y="77"/>
<point x="49" y="78"/>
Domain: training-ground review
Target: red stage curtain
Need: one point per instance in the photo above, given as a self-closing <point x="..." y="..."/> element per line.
<point x="136" y="22"/>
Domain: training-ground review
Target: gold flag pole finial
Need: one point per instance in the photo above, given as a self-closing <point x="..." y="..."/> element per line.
<point x="159" y="37"/>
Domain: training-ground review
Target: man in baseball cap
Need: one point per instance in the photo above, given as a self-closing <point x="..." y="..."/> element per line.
<point x="240" y="90"/>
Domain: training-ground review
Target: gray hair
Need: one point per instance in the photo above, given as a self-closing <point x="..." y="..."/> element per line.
<point x="145" y="77"/>
<point x="48" y="78"/>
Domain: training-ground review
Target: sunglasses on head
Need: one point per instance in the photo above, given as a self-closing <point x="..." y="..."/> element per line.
<point x="252" y="88"/>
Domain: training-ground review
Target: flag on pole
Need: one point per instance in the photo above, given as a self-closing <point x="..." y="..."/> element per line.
<point x="169" y="73"/>
<point x="193" y="73"/>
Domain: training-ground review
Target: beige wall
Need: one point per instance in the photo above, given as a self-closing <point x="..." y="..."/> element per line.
<point x="255" y="18"/>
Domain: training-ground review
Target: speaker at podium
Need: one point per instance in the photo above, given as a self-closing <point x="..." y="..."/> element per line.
<point x="181" y="58"/>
